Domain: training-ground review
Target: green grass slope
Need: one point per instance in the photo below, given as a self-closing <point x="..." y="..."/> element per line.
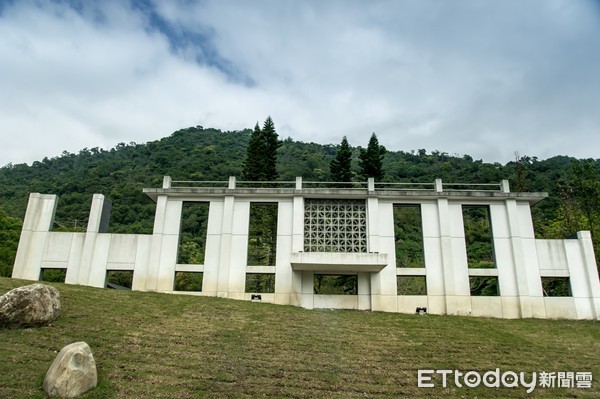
<point x="150" y="345"/>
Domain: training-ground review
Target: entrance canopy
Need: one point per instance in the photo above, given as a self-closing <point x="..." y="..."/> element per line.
<point x="338" y="262"/>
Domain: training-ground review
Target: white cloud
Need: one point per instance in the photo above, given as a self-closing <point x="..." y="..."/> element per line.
<point x="481" y="78"/>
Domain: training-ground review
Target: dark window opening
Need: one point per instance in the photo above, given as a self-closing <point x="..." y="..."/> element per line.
<point x="120" y="280"/>
<point x="484" y="286"/>
<point x="556" y="286"/>
<point x="53" y="275"/>
<point x="408" y="234"/>
<point x="263" y="283"/>
<point x="411" y="285"/>
<point x="192" y="240"/>
<point x="188" y="281"/>
<point x="327" y="284"/>
<point x="478" y="237"/>
<point x="262" y="234"/>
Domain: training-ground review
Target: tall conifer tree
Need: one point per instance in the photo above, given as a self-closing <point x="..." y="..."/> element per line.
<point x="370" y="160"/>
<point x="340" y="166"/>
<point x="255" y="155"/>
<point x="261" y="153"/>
<point x="272" y="143"/>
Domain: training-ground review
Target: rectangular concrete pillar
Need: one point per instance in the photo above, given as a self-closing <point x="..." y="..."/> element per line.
<point x="524" y="262"/>
<point x="165" y="242"/>
<point x="380" y="222"/>
<point x="212" y="252"/>
<point x="225" y="248"/>
<point x="92" y="268"/>
<point x="297" y="243"/>
<point x="142" y="260"/>
<point x="453" y="258"/>
<point x="239" y="255"/>
<point x="307" y="291"/>
<point x="37" y="224"/>
<point x="298" y="224"/>
<point x="583" y="272"/>
<point x="283" y="269"/>
<point x="434" y="267"/>
<point x="364" y="291"/>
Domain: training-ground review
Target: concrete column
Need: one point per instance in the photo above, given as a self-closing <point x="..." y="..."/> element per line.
<point x="370" y="184"/>
<point x="373" y="246"/>
<point x="226" y="248"/>
<point x="142" y="260"/>
<point x="283" y="272"/>
<point x="503" y="256"/>
<point x="434" y="267"/>
<point x="210" y="281"/>
<point x="37" y="224"/>
<point x="524" y="261"/>
<point x="298" y="224"/>
<point x="297" y="242"/>
<point x="380" y="223"/>
<point x="364" y="291"/>
<point x="307" y="295"/>
<point x="92" y="269"/>
<point x="587" y="302"/>
<point x="453" y="254"/>
<point x="165" y="242"/>
<point x="238" y="256"/>
<point x="373" y="224"/>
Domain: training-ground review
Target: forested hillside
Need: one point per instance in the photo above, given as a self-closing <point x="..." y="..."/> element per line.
<point x="197" y="153"/>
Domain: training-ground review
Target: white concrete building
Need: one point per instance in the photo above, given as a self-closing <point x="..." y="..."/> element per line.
<point x="309" y="220"/>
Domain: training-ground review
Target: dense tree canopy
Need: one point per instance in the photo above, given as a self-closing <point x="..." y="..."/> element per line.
<point x="10" y="231"/>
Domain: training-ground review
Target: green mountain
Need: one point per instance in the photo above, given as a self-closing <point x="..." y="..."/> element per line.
<point x="197" y="153"/>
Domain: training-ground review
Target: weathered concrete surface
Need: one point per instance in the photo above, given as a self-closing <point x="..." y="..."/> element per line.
<point x="521" y="260"/>
<point x="72" y="373"/>
<point x="32" y="305"/>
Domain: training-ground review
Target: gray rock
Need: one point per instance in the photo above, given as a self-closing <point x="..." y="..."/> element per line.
<point x="72" y="372"/>
<point x="32" y="305"/>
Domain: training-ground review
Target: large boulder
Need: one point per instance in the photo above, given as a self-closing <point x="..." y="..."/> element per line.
<point x="32" y="305"/>
<point x="72" y="372"/>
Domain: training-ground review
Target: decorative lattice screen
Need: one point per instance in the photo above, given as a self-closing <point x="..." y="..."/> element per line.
<point x="335" y="225"/>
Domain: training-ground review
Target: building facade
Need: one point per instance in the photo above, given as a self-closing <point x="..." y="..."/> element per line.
<point x="323" y="230"/>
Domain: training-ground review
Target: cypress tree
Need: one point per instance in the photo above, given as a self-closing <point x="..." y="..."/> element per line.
<point x="340" y="165"/>
<point x="370" y="160"/>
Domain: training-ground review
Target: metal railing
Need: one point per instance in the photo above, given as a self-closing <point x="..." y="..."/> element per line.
<point x="370" y="185"/>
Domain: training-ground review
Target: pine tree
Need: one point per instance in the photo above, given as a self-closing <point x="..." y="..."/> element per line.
<point x="340" y="165"/>
<point x="370" y="160"/>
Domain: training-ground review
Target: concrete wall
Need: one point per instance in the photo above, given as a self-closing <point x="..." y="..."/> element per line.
<point x="521" y="260"/>
<point x="86" y="257"/>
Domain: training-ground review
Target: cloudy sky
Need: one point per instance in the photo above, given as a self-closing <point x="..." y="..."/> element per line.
<point x="484" y="78"/>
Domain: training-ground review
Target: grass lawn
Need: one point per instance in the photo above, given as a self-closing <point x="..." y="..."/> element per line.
<point x="150" y="345"/>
